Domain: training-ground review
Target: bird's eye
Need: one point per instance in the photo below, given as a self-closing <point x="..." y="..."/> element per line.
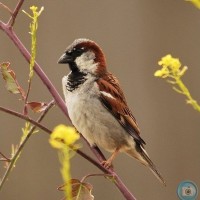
<point x="76" y="51"/>
<point x="80" y="50"/>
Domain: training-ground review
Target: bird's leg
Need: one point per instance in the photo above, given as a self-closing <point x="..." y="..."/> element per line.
<point x="108" y="163"/>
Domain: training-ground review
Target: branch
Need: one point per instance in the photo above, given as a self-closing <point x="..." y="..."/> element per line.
<point x="17" y="114"/>
<point x="94" y="162"/>
<point x="93" y="175"/>
<point x="6" y="8"/>
<point x="22" y="144"/>
<point x="4" y="158"/>
<point x="15" y="13"/>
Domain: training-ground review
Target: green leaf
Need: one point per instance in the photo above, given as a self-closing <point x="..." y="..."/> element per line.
<point x="25" y="131"/>
<point x="10" y="79"/>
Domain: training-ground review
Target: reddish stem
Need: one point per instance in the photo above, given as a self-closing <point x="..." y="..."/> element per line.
<point x="15" y="12"/>
<point x="6" y="7"/>
<point x="6" y="110"/>
<point x="4" y="158"/>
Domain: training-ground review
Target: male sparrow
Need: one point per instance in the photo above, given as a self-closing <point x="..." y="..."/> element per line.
<point x="97" y="106"/>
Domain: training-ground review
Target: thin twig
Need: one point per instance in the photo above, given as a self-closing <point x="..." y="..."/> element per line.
<point x="4" y="160"/>
<point x="91" y="175"/>
<point x="33" y="33"/>
<point x="21" y="146"/>
<point x="17" y="114"/>
<point x="4" y="157"/>
<point x="3" y="26"/>
<point x="15" y="13"/>
<point x="6" y="7"/>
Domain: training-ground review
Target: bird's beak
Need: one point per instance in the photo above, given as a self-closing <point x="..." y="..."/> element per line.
<point x="65" y="58"/>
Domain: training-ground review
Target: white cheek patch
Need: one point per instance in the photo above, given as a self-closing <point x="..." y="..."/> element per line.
<point x="85" y="62"/>
<point x="107" y="94"/>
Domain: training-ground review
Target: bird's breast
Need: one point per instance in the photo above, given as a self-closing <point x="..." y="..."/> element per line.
<point x="92" y="119"/>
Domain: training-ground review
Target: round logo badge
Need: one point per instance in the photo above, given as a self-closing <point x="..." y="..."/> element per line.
<point x="187" y="190"/>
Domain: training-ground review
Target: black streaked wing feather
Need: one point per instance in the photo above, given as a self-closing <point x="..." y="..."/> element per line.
<point x="118" y="106"/>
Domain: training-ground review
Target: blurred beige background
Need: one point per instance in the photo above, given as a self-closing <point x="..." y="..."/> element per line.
<point x="134" y="35"/>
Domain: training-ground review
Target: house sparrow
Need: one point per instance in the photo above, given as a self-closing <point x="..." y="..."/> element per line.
<point x="97" y="106"/>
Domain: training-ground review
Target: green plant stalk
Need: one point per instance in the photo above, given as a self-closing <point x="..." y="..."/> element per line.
<point x="186" y="92"/>
<point x="33" y="31"/>
<point x="171" y="68"/>
<point x="21" y="146"/>
<point x="33" y="28"/>
<point x="65" y="171"/>
<point x="15" y="157"/>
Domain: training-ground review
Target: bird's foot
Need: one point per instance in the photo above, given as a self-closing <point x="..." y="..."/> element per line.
<point x="107" y="164"/>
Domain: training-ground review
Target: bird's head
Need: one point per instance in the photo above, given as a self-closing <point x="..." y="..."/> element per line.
<point x="84" y="55"/>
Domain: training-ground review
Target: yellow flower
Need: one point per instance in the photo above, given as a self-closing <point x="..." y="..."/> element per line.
<point x="165" y="61"/>
<point x="63" y="135"/>
<point x="175" y="63"/>
<point x="169" y="61"/>
<point x="195" y="2"/>
<point x="170" y="67"/>
<point x="160" y="73"/>
<point x="33" y="8"/>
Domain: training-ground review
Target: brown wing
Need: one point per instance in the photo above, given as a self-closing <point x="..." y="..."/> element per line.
<point x="113" y="99"/>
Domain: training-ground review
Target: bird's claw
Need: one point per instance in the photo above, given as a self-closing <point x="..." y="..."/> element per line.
<point x="107" y="164"/>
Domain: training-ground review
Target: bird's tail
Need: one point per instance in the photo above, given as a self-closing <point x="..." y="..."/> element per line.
<point x="143" y="157"/>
